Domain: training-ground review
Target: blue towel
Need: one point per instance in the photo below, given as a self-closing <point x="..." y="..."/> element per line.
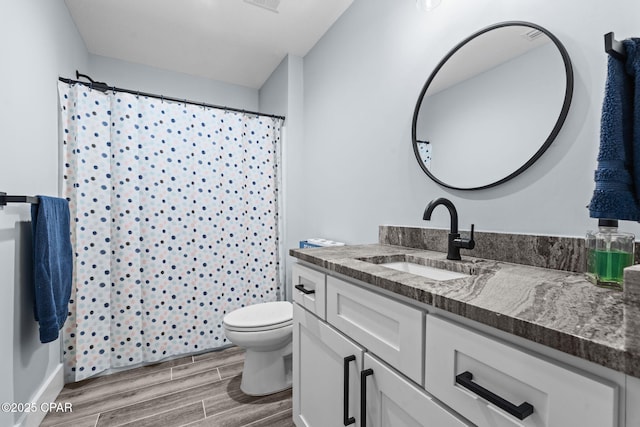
<point x="617" y="191"/>
<point x="632" y="48"/>
<point x="52" y="264"/>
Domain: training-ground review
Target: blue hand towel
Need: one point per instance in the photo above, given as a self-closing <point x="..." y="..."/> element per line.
<point x="632" y="48"/>
<point x="52" y="263"/>
<point x="617" y="177"/>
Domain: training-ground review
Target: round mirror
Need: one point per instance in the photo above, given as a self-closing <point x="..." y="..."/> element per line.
<point x="492" y="106"/>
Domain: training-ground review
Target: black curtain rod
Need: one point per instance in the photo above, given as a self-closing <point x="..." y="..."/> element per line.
<point x="613" y="47"/>
<point x="103" y="87"/>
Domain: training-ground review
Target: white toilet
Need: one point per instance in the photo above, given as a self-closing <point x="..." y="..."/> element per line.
<point x="265" y="331"/>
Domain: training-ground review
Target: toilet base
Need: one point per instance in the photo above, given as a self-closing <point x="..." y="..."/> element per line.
<point x="266" y="372"/>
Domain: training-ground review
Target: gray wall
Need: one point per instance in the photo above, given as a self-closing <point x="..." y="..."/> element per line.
<point x="273" y="95"/>
<point x="361" y="83"/>
<point x="283" y="94"/>
<point x="40" y="42"/>
<point x="128" y="75"/>
<point x="295" y="168"/>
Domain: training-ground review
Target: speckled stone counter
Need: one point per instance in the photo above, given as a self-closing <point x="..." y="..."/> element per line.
<point x="632" y="309"/>
<point x="556" y="308"/>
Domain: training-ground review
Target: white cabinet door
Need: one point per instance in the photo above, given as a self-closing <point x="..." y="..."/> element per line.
<point x="320" y="355"/>
<point x="392" y="401"/>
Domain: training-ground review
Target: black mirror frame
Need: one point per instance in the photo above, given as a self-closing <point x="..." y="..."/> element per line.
<point x="554" y="132"/>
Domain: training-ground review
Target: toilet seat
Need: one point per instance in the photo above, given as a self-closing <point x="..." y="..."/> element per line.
<point x="260" y="317"/>
<point x="258" y="328"/>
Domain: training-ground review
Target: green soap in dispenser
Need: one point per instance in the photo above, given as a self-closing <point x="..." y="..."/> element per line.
<point x="609" y="252"/>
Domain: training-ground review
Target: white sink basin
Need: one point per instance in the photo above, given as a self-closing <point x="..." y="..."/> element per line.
<point x="424" y="270"/>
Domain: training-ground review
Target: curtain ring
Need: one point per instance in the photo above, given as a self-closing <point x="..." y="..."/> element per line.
<point x="162" y="99"/>
<point x="138" y="95"/>
<point x="114" y="90"/>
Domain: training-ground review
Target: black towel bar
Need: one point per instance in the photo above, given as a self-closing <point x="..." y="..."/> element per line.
<point x="4" y="199"/>
<point x="613" y="47"/>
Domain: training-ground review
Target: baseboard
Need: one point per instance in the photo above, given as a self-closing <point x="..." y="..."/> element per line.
<point x="46" y="394"/>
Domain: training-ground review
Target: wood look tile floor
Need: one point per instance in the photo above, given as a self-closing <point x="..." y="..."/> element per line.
<point x="193" y="391"/>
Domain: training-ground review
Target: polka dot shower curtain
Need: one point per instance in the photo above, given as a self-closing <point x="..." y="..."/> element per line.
<point x="175" y="223"/>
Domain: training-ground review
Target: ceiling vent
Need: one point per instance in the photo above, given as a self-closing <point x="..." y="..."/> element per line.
<point x="530" y="35"/>
<point x="271" y="5"/>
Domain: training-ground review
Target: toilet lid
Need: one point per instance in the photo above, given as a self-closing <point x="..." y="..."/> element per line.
<point x="260" y="315"/>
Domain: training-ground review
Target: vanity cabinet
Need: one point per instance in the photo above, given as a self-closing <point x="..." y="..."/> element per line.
<point x="341" y="363"/>
<point x="371" y="359"/>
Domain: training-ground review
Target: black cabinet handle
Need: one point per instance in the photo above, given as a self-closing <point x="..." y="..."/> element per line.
<point x="363" y="396"/>
<point x="521" y="412"/>
<point x="302" y="289"/>
<point x="345" y="412"/>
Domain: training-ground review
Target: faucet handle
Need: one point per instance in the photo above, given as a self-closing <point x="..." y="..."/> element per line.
<point x="471" y="243"/>
<point x="466" y="243"/>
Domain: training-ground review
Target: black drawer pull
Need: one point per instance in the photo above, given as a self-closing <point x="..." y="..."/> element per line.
<point x="363" y="396"/>
<point x="345" y="412"/>
<point x="521" y="412"/>
<point x="305" y="291"/>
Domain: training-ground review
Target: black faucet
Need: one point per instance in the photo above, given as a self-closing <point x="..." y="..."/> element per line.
<point x="455" y="241"/>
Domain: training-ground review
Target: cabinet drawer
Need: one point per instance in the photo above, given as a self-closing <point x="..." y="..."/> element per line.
<point x="389" y="329"/>
<point x="309" y="288"/>
<point x="458" y="358"/>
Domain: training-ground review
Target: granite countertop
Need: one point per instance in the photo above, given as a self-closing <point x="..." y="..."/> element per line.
<point x="559" y="309"/>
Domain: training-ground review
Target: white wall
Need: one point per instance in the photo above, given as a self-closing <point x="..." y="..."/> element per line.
<point x="361" y="83"/>
<point x="127" y="75"/>
<point x="273" y="95"/>
<point x="283" y="94"/>
<point x="39" y="43"/>
<point x="295" y="167"/>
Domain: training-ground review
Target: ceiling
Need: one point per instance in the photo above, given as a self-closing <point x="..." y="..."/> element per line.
<point x="232" y="41"/>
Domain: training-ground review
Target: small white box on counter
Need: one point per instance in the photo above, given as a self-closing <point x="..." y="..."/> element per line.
<point x="318" y="243"/>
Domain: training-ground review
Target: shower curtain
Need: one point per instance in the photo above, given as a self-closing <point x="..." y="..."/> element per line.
<point x="174" y="223"/>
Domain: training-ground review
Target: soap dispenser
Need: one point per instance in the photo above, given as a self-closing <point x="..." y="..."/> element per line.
<point x="609" y="252"/>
